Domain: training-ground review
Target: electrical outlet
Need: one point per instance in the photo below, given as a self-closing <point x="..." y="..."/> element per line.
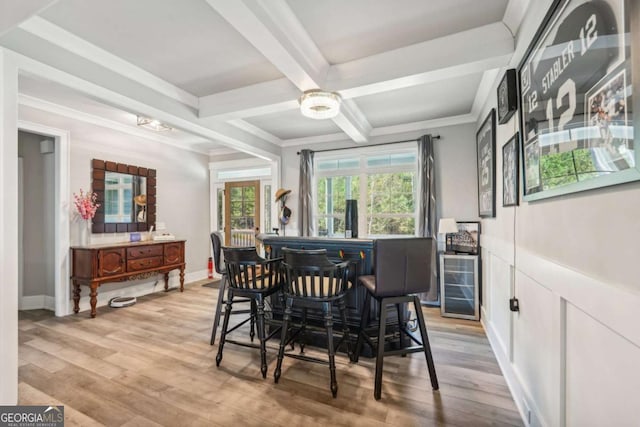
<point x="527" y="411"/>
<point x="160" y="226"/>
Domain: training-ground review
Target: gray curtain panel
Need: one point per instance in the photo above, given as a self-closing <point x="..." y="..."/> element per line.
<point x="306" y="194"/>
<point x="427" y="213"/>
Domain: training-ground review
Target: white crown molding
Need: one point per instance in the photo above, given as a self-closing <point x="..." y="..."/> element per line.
<point x="424" y="125"/>
<point x="54" y="34"/>
<point x="14" y="13"/>
<point x="386" y="130"/>
<point x="50" y="107"/>
<point x="221" y="151"/>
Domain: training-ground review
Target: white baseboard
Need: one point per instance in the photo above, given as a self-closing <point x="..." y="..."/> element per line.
<point x="513" y="382"/>
<point x="37" y="302"/>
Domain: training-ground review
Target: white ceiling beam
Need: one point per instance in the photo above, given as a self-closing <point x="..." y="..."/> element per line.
<point x="249" y="101"/>
<point x="472" y="51"/>
<point x="13" y="13"/>
<point x="148" y="103"/>
<point x="514" y="14"/>
<point x="352" y="121"/>
<point x="52" y="33"/>
<point x="469" y="52"/>
<point x="255" y="130"/>
<point x="272" y="28"/>
<point x="483" y="94"/>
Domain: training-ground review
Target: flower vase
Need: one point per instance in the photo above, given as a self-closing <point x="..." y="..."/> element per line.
<point x="85" y="232"/>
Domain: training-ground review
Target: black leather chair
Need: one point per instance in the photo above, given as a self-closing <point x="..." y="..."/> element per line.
<point x="218" y="262"/>
<point x="311" y="280"/>
<point x="255" y="278"/>
<point x="403" y="268"/>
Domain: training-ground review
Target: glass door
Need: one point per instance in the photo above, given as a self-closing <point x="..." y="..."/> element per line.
<point x="242" y="212"/>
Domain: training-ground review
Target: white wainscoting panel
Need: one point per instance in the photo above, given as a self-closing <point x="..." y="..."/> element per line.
<point x="602" y="374"/>
<point x="576" y="343"/>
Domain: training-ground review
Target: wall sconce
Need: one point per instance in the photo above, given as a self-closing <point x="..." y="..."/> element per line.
<point x="447" y="226"/>
<point x="153" y="124"/>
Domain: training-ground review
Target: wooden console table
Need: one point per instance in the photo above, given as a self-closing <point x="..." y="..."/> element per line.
<point x="97" y="264"/>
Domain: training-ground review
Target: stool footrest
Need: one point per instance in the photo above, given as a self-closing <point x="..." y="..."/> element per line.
<point x="307" y="358"/>
<point x="406" y="350"/>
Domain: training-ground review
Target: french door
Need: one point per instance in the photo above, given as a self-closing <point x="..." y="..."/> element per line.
<point x="241" y="212"/>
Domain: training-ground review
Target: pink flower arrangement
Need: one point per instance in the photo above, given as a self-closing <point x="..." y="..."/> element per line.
<point x="86" y="204"/>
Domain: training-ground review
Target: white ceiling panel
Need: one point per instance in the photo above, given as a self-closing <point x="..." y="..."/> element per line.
<point x="184" y="42"/>
<point x="347" y="30"/>
<point x="432" y="101"/>
<point x="292" y="124"/>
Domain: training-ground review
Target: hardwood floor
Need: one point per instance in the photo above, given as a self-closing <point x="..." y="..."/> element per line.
<point x="151" y="364"/>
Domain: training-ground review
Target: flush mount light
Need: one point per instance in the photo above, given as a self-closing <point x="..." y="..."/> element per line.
<point x="153" y="124"/>
<point x="318" y="104"/>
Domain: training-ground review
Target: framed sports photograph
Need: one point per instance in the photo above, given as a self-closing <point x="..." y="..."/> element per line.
<point x="486" y="152"/>
<point x="510" y="172"/>
<point x="575" y="99"/>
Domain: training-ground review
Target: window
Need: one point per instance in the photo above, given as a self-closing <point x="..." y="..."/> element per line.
<point x="384" y="185"/>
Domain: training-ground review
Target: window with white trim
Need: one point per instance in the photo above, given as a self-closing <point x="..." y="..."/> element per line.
<point x="384" y="183"/>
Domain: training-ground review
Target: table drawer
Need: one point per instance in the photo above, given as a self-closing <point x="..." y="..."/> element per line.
<point x="144" y="251"/>
<point x="144" y="263"/>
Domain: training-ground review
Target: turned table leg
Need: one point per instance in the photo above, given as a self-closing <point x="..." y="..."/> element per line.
<point x="94" y="298"/>
<point x="166" y="282"/>
<point x="182" y="279"/>
<point x="76" y="297"/>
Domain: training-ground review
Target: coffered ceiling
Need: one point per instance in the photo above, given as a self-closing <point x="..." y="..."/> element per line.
<point x="228" y="73"/>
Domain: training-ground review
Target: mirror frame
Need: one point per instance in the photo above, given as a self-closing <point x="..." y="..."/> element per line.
<point x="100" y="168"/>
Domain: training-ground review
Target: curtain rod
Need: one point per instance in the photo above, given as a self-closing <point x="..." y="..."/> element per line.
<point x="369" y="145"/>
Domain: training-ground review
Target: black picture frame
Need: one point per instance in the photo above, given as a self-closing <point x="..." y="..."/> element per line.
<point x="467" y="239"/>
<point x="510" y="167"/>
<point x="507" y="96"/>
<point x="486" y="156"/>
<point x="577" y="127"/>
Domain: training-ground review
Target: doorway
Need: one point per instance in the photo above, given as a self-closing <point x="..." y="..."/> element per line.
<point x="36" y="222"/>
<point x="242" y="212"/>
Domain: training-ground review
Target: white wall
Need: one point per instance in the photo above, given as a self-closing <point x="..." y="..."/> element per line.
<point x="455" y="158"/>
<point x="182" y="193"/>
<point x="571" y="354"/>
<point x="38" y="236"/>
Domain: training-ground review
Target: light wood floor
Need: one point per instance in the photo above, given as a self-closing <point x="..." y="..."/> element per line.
<point x="151" y="364"/>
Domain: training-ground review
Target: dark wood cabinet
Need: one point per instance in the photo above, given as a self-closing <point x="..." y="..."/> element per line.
<point x="98" y="264"/>
<point x="359" y="253"/>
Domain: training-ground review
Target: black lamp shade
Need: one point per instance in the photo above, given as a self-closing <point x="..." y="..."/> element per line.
<point x="351" y="218"/>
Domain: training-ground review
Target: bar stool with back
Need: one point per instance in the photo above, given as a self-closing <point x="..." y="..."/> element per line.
<point x="221" y="269"/>
<point x="311" y="280"/>
<point x="403" y="268"/>
<point x="255" y="278"/>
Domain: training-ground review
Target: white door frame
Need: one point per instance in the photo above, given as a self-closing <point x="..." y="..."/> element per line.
<point x="61" y="212"/>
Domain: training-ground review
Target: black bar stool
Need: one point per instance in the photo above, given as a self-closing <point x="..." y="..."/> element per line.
<point x="403" y="268"/>
<point x="311" y="280"/>
<point x="252" y="277"/>
<point x="218" y="262"/>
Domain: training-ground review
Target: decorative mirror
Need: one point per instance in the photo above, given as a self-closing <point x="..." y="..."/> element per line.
<point x="127" y="197"/>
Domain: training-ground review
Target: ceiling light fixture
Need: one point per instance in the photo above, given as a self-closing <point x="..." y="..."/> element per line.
<point x="153" y="124"/>
<point x="318" y="104"/>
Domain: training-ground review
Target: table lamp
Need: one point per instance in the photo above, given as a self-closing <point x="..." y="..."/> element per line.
<point x="447" y="226"/>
